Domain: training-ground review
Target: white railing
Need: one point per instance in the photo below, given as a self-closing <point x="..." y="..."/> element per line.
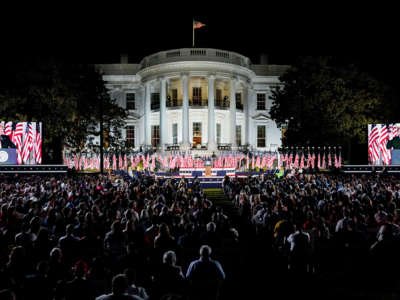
<point x="195" y="54"/>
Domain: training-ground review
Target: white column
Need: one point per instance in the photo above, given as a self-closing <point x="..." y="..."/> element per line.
<point x="211" y="117"/>
<point x="251" y="131"/>
<point x="233" y="112"/>
<point x="147" y="113"/>
<point x="246" y="101"/>
<point x="163" y="122"/>
<point x="185" y="111"/>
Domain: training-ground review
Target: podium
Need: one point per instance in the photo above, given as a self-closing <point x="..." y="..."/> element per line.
<point x="208" y="166"/>
<point x="8" y="156"/>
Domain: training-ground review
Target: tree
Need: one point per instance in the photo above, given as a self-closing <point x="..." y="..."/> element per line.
<point x="65" y="97"/>
<point x="325" y="103"/>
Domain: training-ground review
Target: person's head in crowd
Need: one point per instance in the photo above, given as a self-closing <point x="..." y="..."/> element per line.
<point x="205" y="252"/>
<point x="116" y="227"/>
<point x="211" y="227"/>
<point x="169" y="258"/>
<point x="56" y="255"/>
<point x="119" y="285"/>
<point x="163" y="230"/>
<point x="42" y="268"/>
<point x="130" y="275"/>
<point x="16" y="257"/>
<point x="69" y="229"/>
<point x="80" y="269"/>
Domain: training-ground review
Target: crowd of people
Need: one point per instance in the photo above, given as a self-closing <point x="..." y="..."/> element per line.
<point x="320" y="223"/>
<point x="104" y="237"/>
<point x="89" y="237"/>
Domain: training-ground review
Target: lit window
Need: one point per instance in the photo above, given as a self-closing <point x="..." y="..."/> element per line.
<point x="261" y="136"/>
<point x="155" y="135"/>
<point x="155" y="101"/>
<point x="130" y="136"/>
<point x="238" y="135"/>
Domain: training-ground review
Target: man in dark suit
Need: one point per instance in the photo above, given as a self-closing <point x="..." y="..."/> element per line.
<point x="5" y="142"/>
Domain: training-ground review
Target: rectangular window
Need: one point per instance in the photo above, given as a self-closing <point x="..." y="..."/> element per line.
<point x="155" y="135"/>
<point x="175" y="134"/>
<point x="174" y="93"/>
<point x="197" y="96"/>
<point x="218" y="94"/>
<point x="238" y="135"/>
<point x="261" y="136"/>
<point x="130" y="101"/>
<point x="218" y="133"/>
<point x="261" y="102"/>
<point x="238" y="98"/>
<point x="155" y="100"/>
<point x="197" y="134"/>
<point x="130" y="136"/>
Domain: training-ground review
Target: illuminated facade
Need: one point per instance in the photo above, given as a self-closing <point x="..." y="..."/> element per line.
<point x="196" y="98"/>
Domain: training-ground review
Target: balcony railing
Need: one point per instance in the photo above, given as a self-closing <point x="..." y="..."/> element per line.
<point x="174" y="103"/>
<point x="224" y="146"/>
<point x="198" y="54"/>
<point x="171" y="147"/>
<point x="171" y="103"/>
<point x="224" y="104"/>
<point x="198" y="102"/>
<point x="199" y="147"/>
<point x="155" y="105"/>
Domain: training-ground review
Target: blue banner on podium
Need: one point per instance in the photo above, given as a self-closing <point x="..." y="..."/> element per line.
<point x="8" y="157"/>
<point x="395" y="157"/>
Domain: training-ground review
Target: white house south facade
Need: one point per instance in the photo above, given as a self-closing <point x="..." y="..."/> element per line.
<point x="196" y="98"/>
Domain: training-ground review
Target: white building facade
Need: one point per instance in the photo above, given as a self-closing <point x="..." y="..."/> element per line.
<point x="196" y="98"/>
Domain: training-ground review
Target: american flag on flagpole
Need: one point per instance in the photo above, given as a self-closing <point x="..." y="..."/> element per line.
<point x="28" y="143"/>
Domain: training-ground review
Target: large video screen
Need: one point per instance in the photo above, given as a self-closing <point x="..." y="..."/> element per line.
<point x="20" y="143"/>
<point x="384" y="144"/>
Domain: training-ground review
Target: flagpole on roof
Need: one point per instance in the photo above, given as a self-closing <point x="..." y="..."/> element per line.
<point x="193" y="32"/>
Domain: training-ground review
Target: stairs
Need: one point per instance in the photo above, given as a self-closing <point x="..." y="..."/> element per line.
<point x="219" y="199"/>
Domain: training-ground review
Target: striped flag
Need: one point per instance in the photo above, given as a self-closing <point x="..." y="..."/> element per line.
<point x="383" y="139"/>
<point x="38" y="144"/>
<point x="373" y="143"/>
<point x="18" y="132"/>
<point x="197" y="24"/>
<point x="8" y="130"/>
<point x="28" y="142"/>
<point x="302" y="161"/>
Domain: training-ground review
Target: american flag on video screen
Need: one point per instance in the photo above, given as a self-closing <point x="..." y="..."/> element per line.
<point x="8" y="130"/>
<point x="18" y="132"/>
<point x="373" y="143"/>
<point x="383" y="139"/>
<point x="28" y="142"/>
<point x="38" y="144"/>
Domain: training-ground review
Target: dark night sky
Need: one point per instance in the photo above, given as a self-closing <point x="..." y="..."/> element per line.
<point x="365" y="35"/>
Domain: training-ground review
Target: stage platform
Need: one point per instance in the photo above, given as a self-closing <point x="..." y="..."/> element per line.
<point x="33" y="169"/>
<point x="367" y="169"/>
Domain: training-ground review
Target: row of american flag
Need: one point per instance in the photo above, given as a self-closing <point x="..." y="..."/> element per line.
<point x="378" y="137"/>
<point x="239" y="161"/>
<point x="27" y="138"/>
